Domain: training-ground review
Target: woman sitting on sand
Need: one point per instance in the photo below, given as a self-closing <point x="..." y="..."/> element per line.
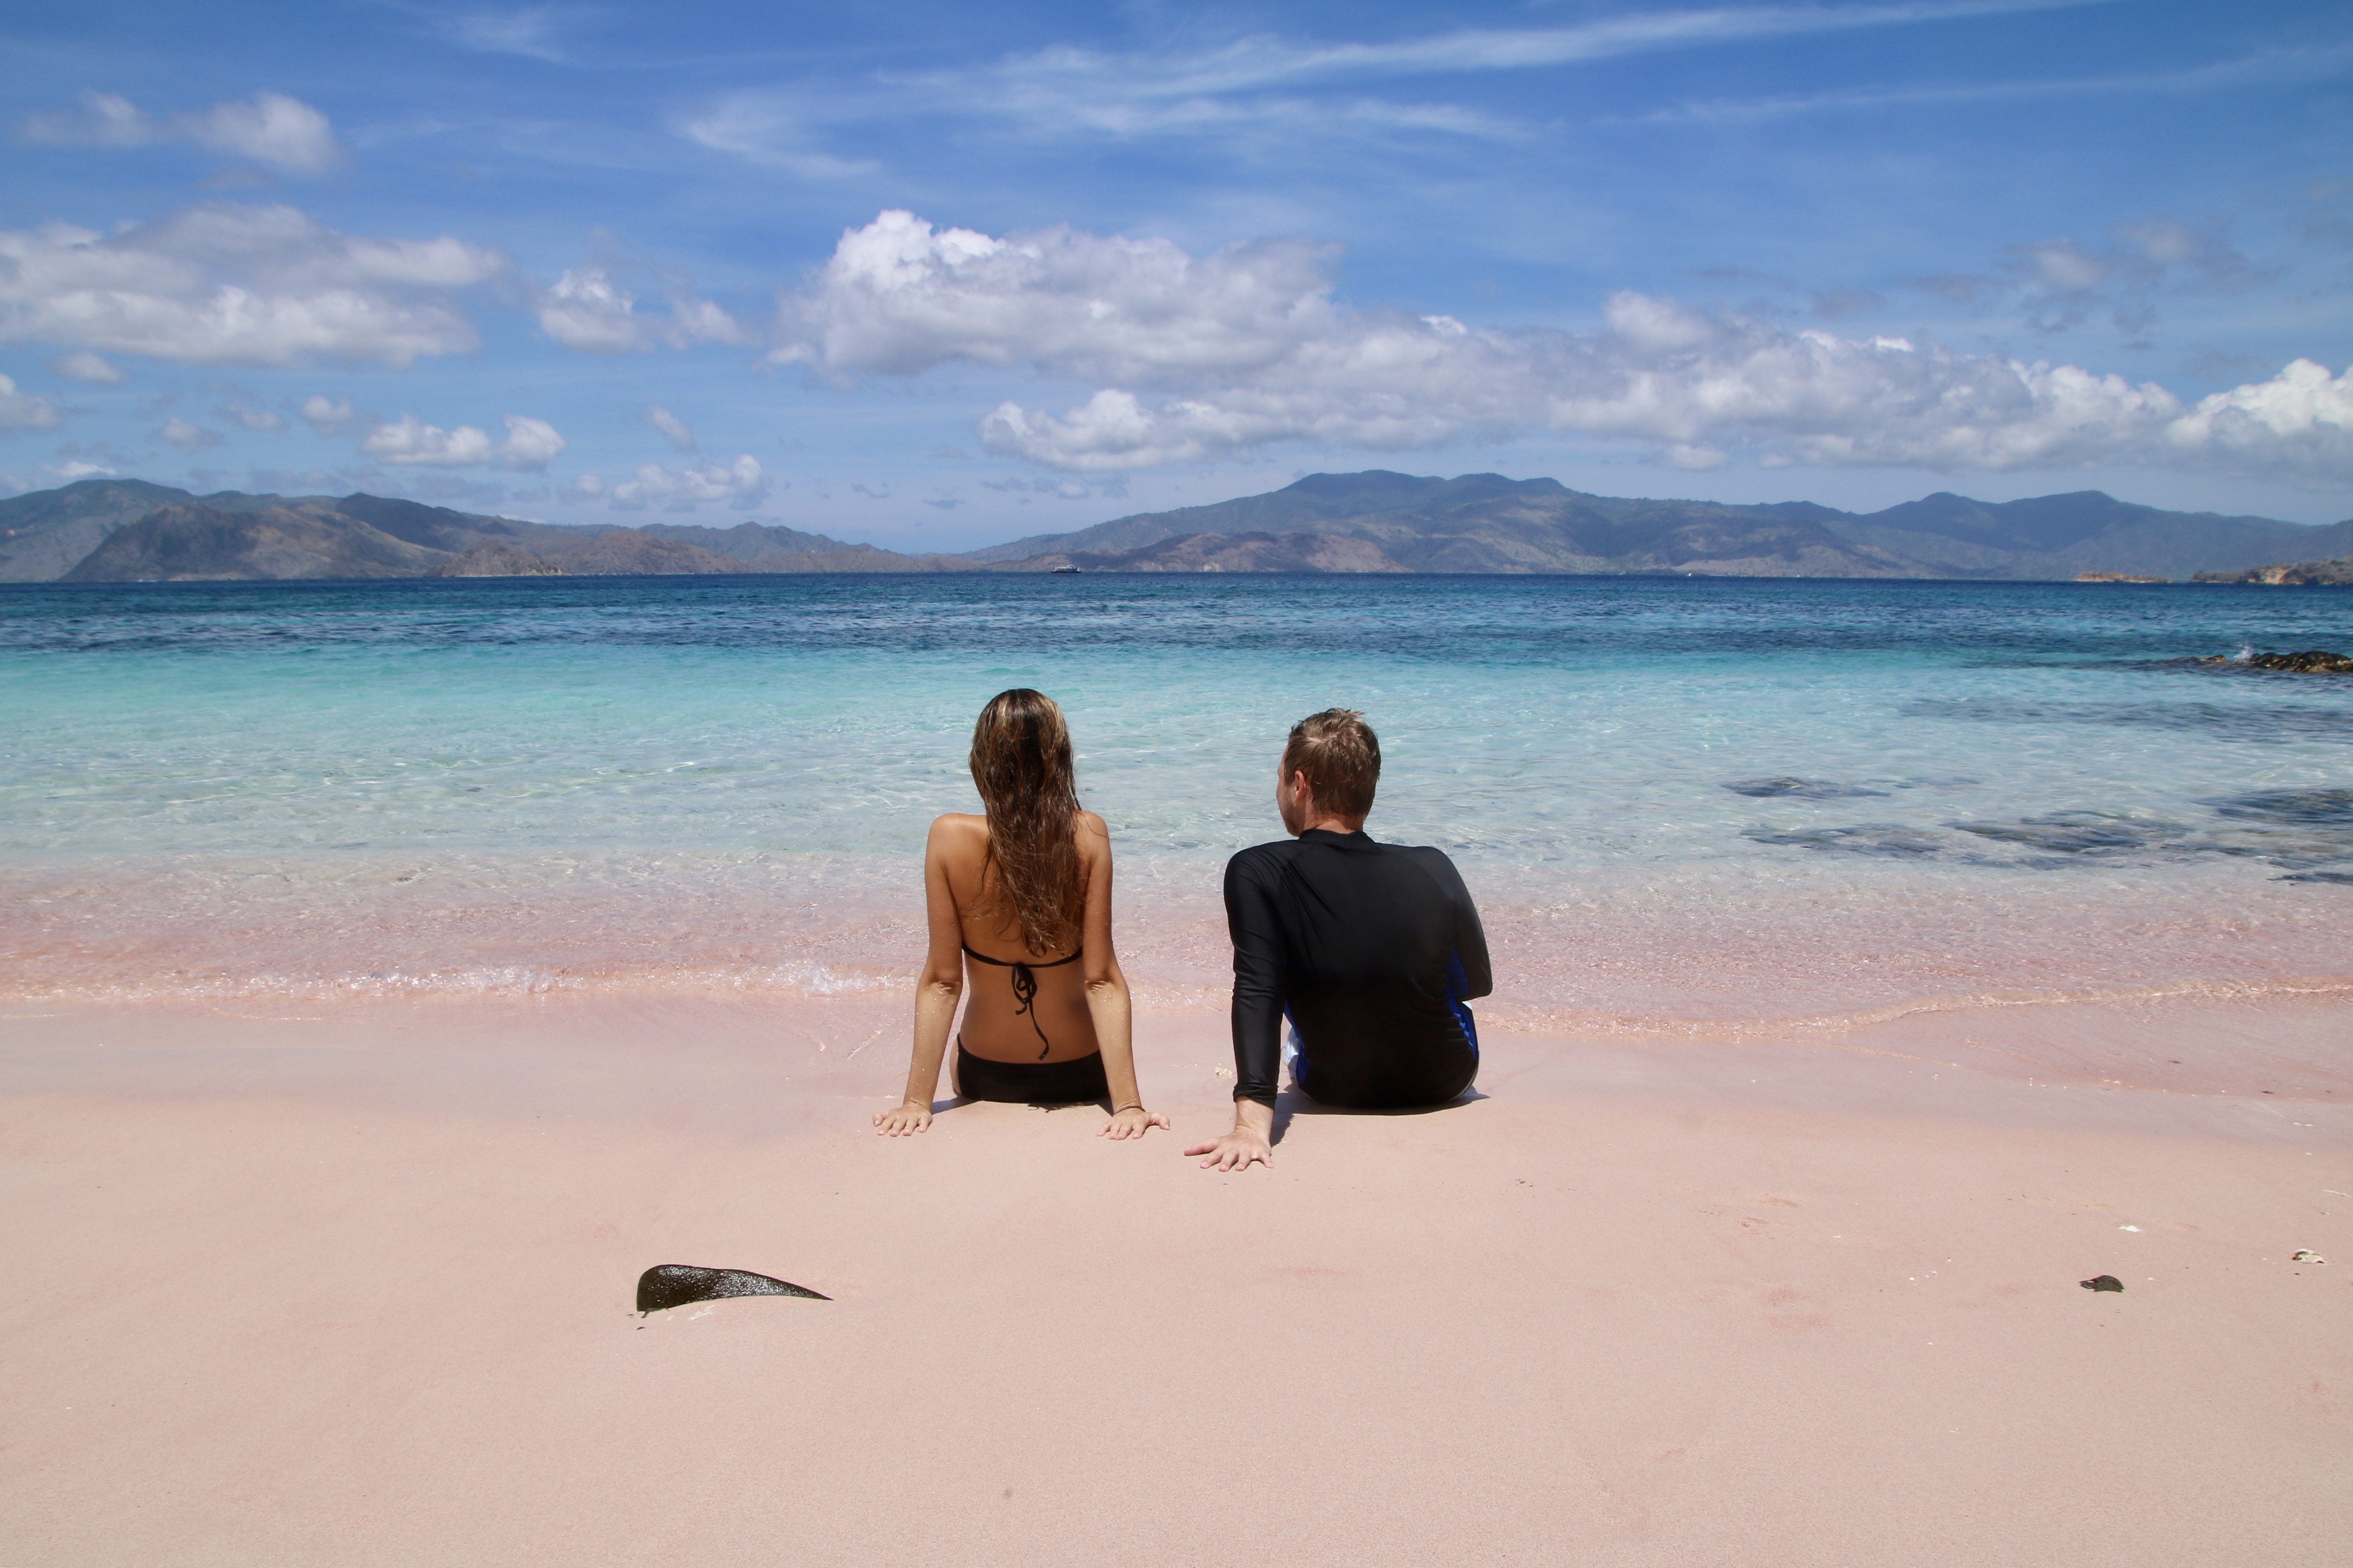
<point x="1024" y="894"/>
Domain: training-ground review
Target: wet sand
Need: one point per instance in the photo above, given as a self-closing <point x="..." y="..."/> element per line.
<point x="352" y="1282"/>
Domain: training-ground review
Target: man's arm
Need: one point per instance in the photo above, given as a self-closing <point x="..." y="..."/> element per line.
<point x="1257" y="1013"/>
<point x="1470" y="936"/>
<point x="1470" y="943"/>
<point x="1257" y="1019"/>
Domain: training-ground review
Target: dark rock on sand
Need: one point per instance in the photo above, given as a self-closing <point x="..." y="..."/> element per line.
<point x="668" y="1285"/>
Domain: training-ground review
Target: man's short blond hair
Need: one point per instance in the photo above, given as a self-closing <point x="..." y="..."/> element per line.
<point x="1341" y="756"/>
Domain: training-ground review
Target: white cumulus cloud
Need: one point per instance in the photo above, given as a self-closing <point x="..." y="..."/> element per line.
<point x="269" y="128"/>
<point x="234" y="284"/>
<point x="591" y="311"/>
<point x="739" y="484"/>
<point x="530" y="444"/>
<point x="681" y="433"/>
<point x="901" y="297"/>
<point x="587" y="311"/>
<point x="2301" y="419"/>
<point x="188" y="437"/>
<point x="23" y="410"/>
<point x="83" y="365"/>
<point x="1195" y="357"/>
<point x="324" y="414"/>
<point x="253" y="418"/>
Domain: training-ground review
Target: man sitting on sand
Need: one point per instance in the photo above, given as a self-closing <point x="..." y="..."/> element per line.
<point x="1369" y="949"/>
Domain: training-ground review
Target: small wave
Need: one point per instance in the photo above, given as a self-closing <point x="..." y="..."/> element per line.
<point x="1524" y="1020"/>
<point x="495" y="982"/>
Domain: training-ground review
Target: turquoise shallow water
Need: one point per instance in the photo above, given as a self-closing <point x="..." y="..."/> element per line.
<point x="1779" y="794"/>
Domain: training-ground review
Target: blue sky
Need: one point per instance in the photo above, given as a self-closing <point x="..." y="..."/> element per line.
<point x="935" y="276"/>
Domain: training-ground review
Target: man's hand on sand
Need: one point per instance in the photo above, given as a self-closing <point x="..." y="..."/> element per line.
<point x="903" y="1120"/>
<point x="1234" y="1152"/>
<point x="1250" y="1140"/>
<point x="1132" y="1122"/>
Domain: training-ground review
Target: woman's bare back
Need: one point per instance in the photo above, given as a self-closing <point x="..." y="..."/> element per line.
<point x="1056" y="1024"/>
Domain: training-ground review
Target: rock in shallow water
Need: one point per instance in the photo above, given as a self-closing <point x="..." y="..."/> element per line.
<point x="2312" y="662"/>
<point x="1799" y="788"/>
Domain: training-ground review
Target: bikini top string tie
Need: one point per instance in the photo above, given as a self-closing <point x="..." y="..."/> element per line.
<point x="1025" y="988"/>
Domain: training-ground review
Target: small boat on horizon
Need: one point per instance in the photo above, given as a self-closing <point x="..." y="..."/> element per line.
<point x="1066" y="570"/>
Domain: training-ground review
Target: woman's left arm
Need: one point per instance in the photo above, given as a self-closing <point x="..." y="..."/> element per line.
<point x="1107" y="998"/>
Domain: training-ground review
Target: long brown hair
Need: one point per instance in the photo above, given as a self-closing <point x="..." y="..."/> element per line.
<point x="1021" y="765"/>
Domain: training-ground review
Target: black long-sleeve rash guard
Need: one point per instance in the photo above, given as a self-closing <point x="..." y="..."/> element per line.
<point x="1372" y="949"/>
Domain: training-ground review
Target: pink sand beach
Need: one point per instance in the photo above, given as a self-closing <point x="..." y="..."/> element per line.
<point x="352" y="1282"/>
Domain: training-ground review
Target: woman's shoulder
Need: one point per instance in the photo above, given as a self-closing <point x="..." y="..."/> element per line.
<point x="1086" y="825"/>
<point x="959" y="828"/>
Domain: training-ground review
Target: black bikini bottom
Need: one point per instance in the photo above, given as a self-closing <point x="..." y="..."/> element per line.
<point x="1032" y="1083"/>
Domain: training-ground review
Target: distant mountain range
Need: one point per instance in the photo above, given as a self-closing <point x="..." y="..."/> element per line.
<point x="133" y="531"/>
<point x="1485" y="523"/>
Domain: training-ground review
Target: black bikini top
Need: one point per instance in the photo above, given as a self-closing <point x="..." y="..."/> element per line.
<point x="1025" y="986"/>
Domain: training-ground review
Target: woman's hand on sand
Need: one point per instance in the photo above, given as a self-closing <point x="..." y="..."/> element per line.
<point x="902" y="1120"/>
<point x="1132" y="1122"/>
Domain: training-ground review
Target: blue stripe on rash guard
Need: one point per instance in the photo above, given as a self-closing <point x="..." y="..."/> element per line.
<point x="1457" y="987"/>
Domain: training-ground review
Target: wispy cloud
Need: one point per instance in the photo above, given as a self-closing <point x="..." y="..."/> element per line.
<point x="778" y="131"/>
<point x="269" y="128"/>
<point x="2263" y="67"/>
<point x="1265" y="60"/>
<point x="1259" y="84"/>
<point x="532" y="31"/>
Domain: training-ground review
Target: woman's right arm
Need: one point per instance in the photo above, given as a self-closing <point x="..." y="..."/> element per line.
<point x="938" y="988"/>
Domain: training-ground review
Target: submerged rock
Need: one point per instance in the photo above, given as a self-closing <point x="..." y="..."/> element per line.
<point x="1797" y="788"/>
<point x="2077" y="832"/>
<point x="1891" y="838"/>
<point x="2293" y="807"/>
<point x="2314" y="662"/>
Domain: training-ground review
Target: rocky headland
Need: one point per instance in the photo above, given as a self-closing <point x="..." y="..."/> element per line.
<point x="2336" y="573"/>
